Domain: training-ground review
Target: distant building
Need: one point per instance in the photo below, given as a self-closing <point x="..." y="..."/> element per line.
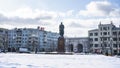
<point x="78" y="45"/>
<point x="105" y="39"/>
<point x="3" y="39"/>
<point x="32" y="38"/>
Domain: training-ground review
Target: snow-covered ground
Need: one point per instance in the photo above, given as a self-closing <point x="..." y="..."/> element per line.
<point x="57" y="61"/>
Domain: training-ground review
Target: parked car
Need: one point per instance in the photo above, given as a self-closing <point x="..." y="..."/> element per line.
<point x="23" y="50"/>
<point x="2" y="50"/>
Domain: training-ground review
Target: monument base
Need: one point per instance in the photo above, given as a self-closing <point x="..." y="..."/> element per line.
<point x="61" y="45"/>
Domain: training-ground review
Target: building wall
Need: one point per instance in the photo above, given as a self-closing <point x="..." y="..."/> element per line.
<point x="31" y="38"/>
<point x="3" y="39"/>
<point x="94" y="40"/>
<point x="77" y="45"/>
<point x="108" y="39"/>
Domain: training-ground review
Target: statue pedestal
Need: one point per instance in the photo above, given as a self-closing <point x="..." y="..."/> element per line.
<point x="61" y="45"/>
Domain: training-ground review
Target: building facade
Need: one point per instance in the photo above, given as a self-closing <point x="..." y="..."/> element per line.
<point x="3" y="39"/>
<point x="33" y="39"/>
<point x="77" y="45"/>
<point x="105" y="39"/>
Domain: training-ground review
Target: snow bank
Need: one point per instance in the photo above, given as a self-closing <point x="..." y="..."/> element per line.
<point x="57" y="61"/>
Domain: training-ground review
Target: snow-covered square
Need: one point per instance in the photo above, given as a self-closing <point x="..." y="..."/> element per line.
<point x="57" y="61"/>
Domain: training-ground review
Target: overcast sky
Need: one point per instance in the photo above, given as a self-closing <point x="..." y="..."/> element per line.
<point x="78" y="16"/>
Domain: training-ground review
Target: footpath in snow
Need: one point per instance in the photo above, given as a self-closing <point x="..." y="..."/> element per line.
<point x="57" y="61"/>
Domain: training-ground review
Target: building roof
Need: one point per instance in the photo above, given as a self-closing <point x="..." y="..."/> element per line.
<point x="93" y="30"/>
<point x="3" y="29"/>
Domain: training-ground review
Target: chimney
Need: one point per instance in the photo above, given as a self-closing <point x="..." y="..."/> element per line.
<point x="42" y="28"/>
<point x="38" y="27"/>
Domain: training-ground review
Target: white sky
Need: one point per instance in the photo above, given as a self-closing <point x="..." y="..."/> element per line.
<point x="78" y="16"/>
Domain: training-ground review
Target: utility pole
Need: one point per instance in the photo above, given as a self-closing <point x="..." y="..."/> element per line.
<point x="103" y="45"/>
<point x="4" y="49"/>
<point x="111" y="41"/>
<point x="34" y="46"/>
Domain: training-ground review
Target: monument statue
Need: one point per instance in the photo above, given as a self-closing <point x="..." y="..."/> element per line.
<point x="61" y="29"/>
<point x="61" y="40"/>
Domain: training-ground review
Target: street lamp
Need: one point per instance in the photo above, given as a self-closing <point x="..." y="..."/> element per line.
<point x="34" y="42"/>
<point x="5" y="44"/>
<point x="14" y="46"/>
<point x="111" y="41"/>
<point x="103" y="45"/>
<point x="34" y="45"/>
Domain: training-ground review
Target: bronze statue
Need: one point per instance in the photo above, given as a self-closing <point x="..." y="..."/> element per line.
<point x="61" y="40"/>
<point x="61" y="29"/>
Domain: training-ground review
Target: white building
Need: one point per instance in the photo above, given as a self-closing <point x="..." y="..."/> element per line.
<point x="105" y="39"/>
<point x="77" y="45"/>
<point x="32" y="38"/>
<point x="3" y="39"/>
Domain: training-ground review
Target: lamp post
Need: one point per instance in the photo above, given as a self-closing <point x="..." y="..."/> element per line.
<point x="14" y="40"/>
<point x="111" y="41"/>
<point x="103" y="46"/>
<point x="34" y="46"/>
<point x="53" y="45"/>
<point x="5" y="44"/>
<point x="34" y="43"/>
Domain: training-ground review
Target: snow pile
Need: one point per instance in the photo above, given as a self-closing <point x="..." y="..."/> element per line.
<point x="57" y="61"/>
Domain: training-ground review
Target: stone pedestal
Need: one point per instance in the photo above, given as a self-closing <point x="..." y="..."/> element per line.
<point x="61" y="45"/>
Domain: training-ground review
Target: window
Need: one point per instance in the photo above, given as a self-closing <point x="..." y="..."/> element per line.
<point x="96" y="39"/>
<point x="108" y="28"/>
<point x="119" y="39"/>
<point x="101" y="33"/>
<point x="104" y="33"/>
<point x="105" y="45"/>
<point x="114" y="39"/>
<point x="119" y="33"/>
<point x="96" y="45"/>
<point x="101" y="45"/>
<point x="109" y="39"/>
<point x="91" y="39"/>
<point x="104" y="28"/>
<point x="101" y="39"/>
<point x="26" y="35"/>
<point x="25" y="41"/>
<point x="114" y="45"/>
<point x="1" y="31"/>
<point x="23" y="34"/>
<point x="91" y="45"/>
<point x="108" y="33"/>
<point x="104" y="39"/>
<point x="114" y="33"/>
<point x="96" y="34"/>
<point x="91" y="34"/>
<point x="19" y="41"/>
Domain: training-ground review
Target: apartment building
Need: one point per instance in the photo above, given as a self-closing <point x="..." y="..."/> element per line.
<point x="3" y="39"/>
<point x="32" y="39"/>
<point x="105" y="39"/>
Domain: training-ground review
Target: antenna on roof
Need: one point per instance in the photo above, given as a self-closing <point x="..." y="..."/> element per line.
<point x="100" y="23"/>
<point x="111" y="22"/>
